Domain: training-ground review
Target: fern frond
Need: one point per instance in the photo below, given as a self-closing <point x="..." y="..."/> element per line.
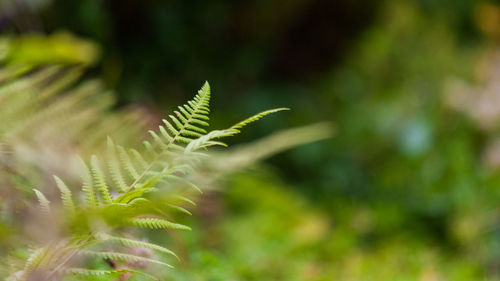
<point x="246" y="155"/>
<point x="150" y="149"/>
<point x="156" y="207"/>
<point x="100" y="180"/>
<point x="186" y="122"/>
<point x="158" y="142"/>
<point x="44" y="203"/>
<point x="127" y="163"/>
<point x="155" y="223"/>
<point x="185" y="181"/>
<point x="88" y="185"/>
<point x="135" y="243"/>
<point x="209" y="139"/>
<point x="139" y="159"/>
<point x="66" y="196"/>
<point x="35" y="259"/>
<point x="34" y="109"/>
<point x="114" y="167"/>
<point x="178" y="208"/>
<point x="185" y="199"/>
<point x="122" y="257"/>
<point x="131" y="195"/>
<point x="169" y="157"/>
<point x="91" y="272"/>
<point x="101" y="273"/>
<point x="256" y="117"/>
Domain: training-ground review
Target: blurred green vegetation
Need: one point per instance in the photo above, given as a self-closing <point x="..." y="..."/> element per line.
<point x="403" y="192"/>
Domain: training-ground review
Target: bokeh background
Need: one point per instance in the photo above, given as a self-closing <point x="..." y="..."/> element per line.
<point x="407" y="189"/>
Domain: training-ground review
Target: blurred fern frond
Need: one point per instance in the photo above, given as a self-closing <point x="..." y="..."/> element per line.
<point x="119" y="187"/>
<point x="48" y="117"/>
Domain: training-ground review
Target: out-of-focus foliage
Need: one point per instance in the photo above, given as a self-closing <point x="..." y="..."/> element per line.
<point x="404" y="187"/>
<point x="47" y="116"/>
<point x="169" y="157"/>
<point x="274" y="234"/>
<point x="36" y="49"/>
<point x="408" y="189"/>
<point x="47" y="122"/>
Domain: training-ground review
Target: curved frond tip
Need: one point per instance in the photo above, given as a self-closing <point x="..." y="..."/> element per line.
<point x="44" y="203"/>
<point x="66" y="196"/>
<point x="256" y="117"/>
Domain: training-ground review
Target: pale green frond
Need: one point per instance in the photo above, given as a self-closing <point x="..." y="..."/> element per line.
<point x="114" y="167"/>
<point x="44" y="203"/>
<point x="151" y="180"/>
<point x="256" y="117"/>
<point x="88" y="185"/>
<point x="179" y="208"/>
<point x="185" y="181"/>
<point x="101" y="273"/>
<point x="155" y="223"/>
<point x="131" y="195"/>
<point x="66" y="196"/>
<point x="100" y="180"/>
<point x="184" y="123"/>
<point x="185" y="199"/>
<point x="158" y="142"/>
<point x="127" y="163"/>
<point x="91" y="272"/>
<point x="122" y="257"/>
<point x="35" y="259"/>
<point x="135" y="243"/>
<point x="246" y="155"/>
<point x="150" y="149"/>
<point x="209" y="139"/>
<point x="139" y="159"/>
<point x="169" y="156"/>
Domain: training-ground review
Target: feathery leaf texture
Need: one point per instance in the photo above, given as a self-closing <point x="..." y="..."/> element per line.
<point x="88" y="185"/>
<point x="48" y="105"/>
<point x="44" y="203"/>
<point x="66" y="197"/>
<point x="155" y="223"/>
<point x="256" y="117"/>
<point x="116" y="185"/>
<point x="101" y="273"/>
<point x="121" y="256"/>
<point x="100" y="180"/>
<point x="135" y="243"/>
<point x="35" y="259"/>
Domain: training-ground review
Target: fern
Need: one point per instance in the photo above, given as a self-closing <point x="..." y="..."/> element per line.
<point x="256" y="117"/>
<point x="44" y="202"/>
<point x="35" y="259"/>
<point x="101" y="273"/>
<point x="155" y="223"/>
<point x="117" y="194"/>
<point x="47" y="116"/>
<point x="121" y="256"/>
<point x="100" y="180"/>
<point x="135" y="243"/>
<point x="88" y="185"/>
<point x="66" y="197"/>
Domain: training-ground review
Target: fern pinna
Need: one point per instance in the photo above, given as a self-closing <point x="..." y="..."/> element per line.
<point x="117" y="190"/>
